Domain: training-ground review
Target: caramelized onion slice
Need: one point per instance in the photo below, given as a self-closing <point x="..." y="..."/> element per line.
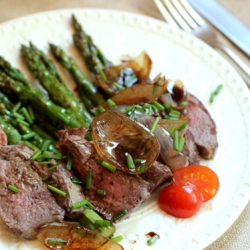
<point x="168" y="155"/>
<point x="70" y="236"/>
<point x="115" y="136"/>
<point x="126" y="74"/>
<point x="139" y="93"/>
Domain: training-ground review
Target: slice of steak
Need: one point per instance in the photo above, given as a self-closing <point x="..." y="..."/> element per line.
<point x="60" y="178"/>
<point x="123" y="191"/>
<point x="156" y="174"/>
<point x="201" y="127"/>
<point x="190" y="150"/>
<point x="33" y="205"/>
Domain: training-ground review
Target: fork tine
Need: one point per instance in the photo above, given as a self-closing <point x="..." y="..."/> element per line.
<point x="180" y="7"/>
<point x="192" y="13"/>
<point x="176" y="15"/>
<point x="165" y="13"/>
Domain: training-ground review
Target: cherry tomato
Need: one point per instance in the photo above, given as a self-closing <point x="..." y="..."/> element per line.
<point x="180" y="199"/>
<point x="202" y="177"/>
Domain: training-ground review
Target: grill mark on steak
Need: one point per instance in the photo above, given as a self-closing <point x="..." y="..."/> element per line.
<point x="201" y="127"/>
<point x="33" y="206"/>
<point x="123" y="191"/>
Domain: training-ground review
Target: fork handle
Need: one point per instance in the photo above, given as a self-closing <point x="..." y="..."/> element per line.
<point x="242" y="67"/>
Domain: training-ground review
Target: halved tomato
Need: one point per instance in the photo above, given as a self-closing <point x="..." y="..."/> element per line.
<point x="181" y="200"/>
<point x="202" y="177"/>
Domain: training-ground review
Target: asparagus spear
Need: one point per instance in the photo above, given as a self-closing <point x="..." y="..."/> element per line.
<point x="47" y="62"/>
<point x="58" y="92"/>
<point x="14" y="73"/>
<point x="14" y="137"/>
<point x="86" y="87"/>
<point x="31" y="94"/>
<point x="92" y="55"/>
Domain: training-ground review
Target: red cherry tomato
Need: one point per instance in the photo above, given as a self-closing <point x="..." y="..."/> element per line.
<point x="181" y="199"/>
<point x="202" y="177"/>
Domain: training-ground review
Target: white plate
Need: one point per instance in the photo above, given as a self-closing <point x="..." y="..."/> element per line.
<point x="178" y="56"/>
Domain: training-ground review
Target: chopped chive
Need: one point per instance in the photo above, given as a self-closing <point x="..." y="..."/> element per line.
<point x="49" y="155"/>
<point x="56" y="190"/>
<point x="130" y="81"/>
<point x="181" y="141"/>
<point x="36" y="154"/>
<point x="139" y="160"/>
<point x="139" y="108"/>
<point x="156" y="121"/>
<point x="57" y="241"/>
<point x="173" y="128"/>
<point x="118" y="86"/>
<point x="101" y="192"/>
<point x="130" y="161"/>
<point x="31" y="113"/>
<point x="218" y="89"/>
<point x="69" y="163"/>
<point x="23" y="122"/>
<point x="31" y="145"/>
<point x="89" y="179"/>
<point x="16" y="107"/>
<point x="103" y="76"/>
<point x="102" y="223"/>
<point x="167" y="106"/>
<point x="183" y="104"/>
<point x="215" y="93"/>
<point x="17" y="115"/>
<point x="117" y="238"/>
<point x="101" y="109"/>
<point x="111" y="103"/>
<point x="46" y="178"/>
<point x="153" y="239"/>
<point x="150" y="111"/>
<point x="79" y="204"/>
<point x="53" y="167"/>
<point x="174" y="113"/>
<point x="127" y="109"/>
<point x="212" y="96"/>
<point x="76" y="180"/>
<point x="182" y="126"/>
<point x="176" y="140"/>
<point x="46" y="145"/>
<point x="158" y="106"/>
<point x="120" y="214"/>
<point x="156" y="88"/>
<point x="123" y="110"/>
<point x="142" y="168"/>
<point x="107" y="165"/>
<point x="13" y="188"/>
<point x="26" y="115"/>
<point x="29" y="135"/>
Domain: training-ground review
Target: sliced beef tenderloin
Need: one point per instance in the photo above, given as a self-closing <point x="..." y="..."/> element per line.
<point x="156" y="174"/>
<point x="123" y="191"/>
<point x="33" y="205"/>
<point x="201" y="127"/>
<point x="190" y="150"/>
<point x="60" y="178"/>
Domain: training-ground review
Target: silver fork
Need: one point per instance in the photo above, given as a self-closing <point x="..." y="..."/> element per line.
<point x="179" y="13"/>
